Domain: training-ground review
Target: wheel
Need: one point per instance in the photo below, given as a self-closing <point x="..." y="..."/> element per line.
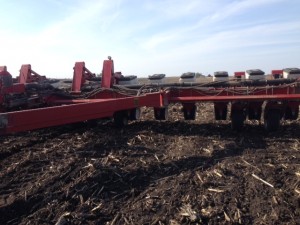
<point x="121" y="118"/>
<point x="272" y="120"/>
<point x="254" y="113"/>
<point x="291" y="114"/>
<point x="220" y="112"/>
<point x="189" y="114"/>
<point x="161" y="113"/>
<point x="237" y="120"/>
<point x="135" y="114"/>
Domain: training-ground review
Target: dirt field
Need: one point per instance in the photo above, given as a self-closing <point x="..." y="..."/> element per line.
<point x="151" y="172"/>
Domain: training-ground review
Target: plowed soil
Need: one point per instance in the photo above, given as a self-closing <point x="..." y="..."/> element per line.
<point x="152" y="172"/>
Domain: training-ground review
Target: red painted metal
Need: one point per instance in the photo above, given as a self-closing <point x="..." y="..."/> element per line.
<point x="235" y="98"/>
<point x="5" y="78"/>
<point x="76" y="101"/>
<point x="108" y="74"/>
<point x="14" y="89"/>
<point x="103" y="94"/>
<point x="70" y="107"/>
<point x="80" y="75"/>
<point x="277" y="72"/>
<point x="7" y="87"/>
<point x="234" y="93"/>
<point x="52" y="116"/>
<point x="27" y="75"/>
<point x="78" y="78"/>
<point x="6" y="84"/>
<point x="239" y="74"/>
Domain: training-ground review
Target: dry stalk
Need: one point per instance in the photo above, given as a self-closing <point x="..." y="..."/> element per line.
<point x="62" y="220"/>
<point x="174" y="222"/>
<point x="270" y="165"/>
<point x="215" y="190"/>
<point x="275" y="200"/>
<point x="115" y="219"/>
<point x="97" y="207"/>
<point x="265" y="182"/>
<point x="155" y="221"/>
<point x="206" y="212"/>
<point x="126" y="220"/>
<point x="249" y="164"/>
<point x="99" y="192"/>
<point x="140" y="137"/>
<point x="142" y="161"/>
<point x="113" y="158"/>
<point x="207" y="150"/>
<point x="89" y="165"/>
<point x="117" y="174"/>
<point x="284" y="166"/>
<point x="227" y="218"/>
<point x="187" y="211"/>
<point x="156" y="158"/>
<point x="237" y="216"/>
<point x="81" y="199"/>
<point x="217" y="173"/>
<point x="199" y="177"/>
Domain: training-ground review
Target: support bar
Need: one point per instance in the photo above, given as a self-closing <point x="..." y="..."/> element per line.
<point x="53" y="116"/>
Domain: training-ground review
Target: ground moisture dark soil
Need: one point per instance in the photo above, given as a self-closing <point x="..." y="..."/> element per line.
<point x="152" y="172"/>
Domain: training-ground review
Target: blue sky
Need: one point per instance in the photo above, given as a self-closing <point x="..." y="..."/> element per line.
<point x="150" y="36"/>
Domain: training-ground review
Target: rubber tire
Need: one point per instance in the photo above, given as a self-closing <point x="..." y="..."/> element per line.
<point x="120" y="119"/>
<point x="288" y="114"/>
<point x="221" y="117"/>
<point x="252" y="116"/>
<point x="135" y="114"/>
<point x="189" y="114"/>
<point x="161" y="113"/>
<point x="272" y="121"/>
<point x="237" y="121"/>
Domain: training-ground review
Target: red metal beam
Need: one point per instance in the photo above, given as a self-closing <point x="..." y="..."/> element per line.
<point x="8" y="87"/>
<point x="27" y="75"/>
<point x="77" y="101"/>
<point x="80" y="75"/>
<point x="24" y="74"/>
<point x="277" y="72"/>
<point x="53" y="116"/>
<point x="78" y="78"/>
<point x="235" y="98"/>
<point x="108" y="74"/>
<point x="239" y="74"/>
<point x="239" y="92"/>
